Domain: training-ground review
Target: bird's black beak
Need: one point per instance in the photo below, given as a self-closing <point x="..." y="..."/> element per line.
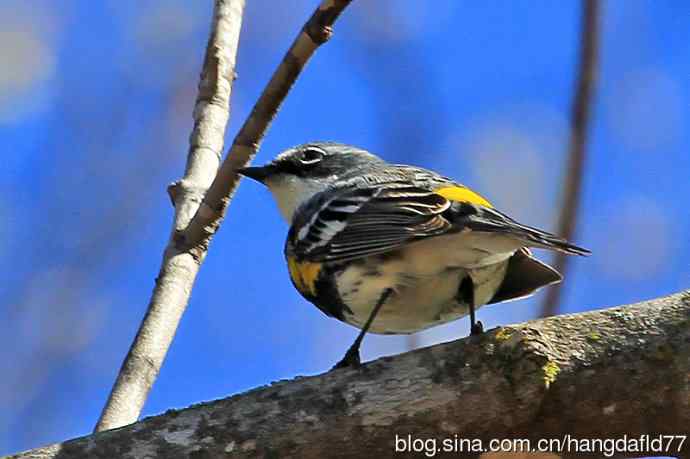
<point x="259" y="173"/>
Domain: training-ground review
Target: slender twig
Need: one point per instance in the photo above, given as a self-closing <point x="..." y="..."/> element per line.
<point x="412" y="342"/>
<point x="178" y="269"/>
<point x="580" y="116"/>
<point x="200" y="207"/>
<point x="608" y="375"/>
<point x="315" y="32"/>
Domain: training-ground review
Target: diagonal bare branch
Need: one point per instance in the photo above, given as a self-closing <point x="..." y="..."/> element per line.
<point x="202" y="196"/>
<point x="178" y="269"/>
<point x="316" y="31"/>
<point x="580" y="116"/>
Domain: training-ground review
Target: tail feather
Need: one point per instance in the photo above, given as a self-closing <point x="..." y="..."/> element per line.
<point x="524" y="276"/>
<point x="491" y="220"/>
<point x="544" y="240"/>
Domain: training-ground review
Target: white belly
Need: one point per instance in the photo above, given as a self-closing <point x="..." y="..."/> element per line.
<point x="425" y="277"/>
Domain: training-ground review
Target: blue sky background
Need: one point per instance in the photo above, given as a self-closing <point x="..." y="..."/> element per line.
<point x="95" y="113"/>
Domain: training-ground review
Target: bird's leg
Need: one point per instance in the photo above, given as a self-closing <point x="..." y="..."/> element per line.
<point x="351" y="358"/>
<point x="466" y="295"/>
<point x="476" y="326"/>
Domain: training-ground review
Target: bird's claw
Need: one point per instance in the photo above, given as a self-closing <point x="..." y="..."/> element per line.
<point x="477" y="328"/>
<point x="351" y="360"/>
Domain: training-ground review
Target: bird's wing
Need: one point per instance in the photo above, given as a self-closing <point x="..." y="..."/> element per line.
<point x="377" y="213"/>
<point x="362" y="221"/>
<point x="375" y="218"/>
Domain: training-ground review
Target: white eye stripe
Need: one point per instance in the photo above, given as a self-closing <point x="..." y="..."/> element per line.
<point x="311" y="155"/>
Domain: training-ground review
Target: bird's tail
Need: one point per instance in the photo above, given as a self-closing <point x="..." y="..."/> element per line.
<point x="491" y="220"/>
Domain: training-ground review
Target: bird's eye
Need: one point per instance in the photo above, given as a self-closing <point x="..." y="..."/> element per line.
<point x="311" y="156"/>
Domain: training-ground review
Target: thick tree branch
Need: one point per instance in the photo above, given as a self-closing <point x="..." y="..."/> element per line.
<point x="178" y="269"/>
<point x="599" y="374"/>
<point x="574" y="171"/>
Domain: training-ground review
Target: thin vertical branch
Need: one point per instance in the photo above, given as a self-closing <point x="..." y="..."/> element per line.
<point x="178" y="269"/>
<point x="412" y="342"/>
<point x="202" y="196"/>
<point x="581" y="108"/>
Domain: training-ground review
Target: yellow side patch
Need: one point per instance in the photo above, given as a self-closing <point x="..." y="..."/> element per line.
<point x="304" y="275"/>
<point x="462" y="194"/>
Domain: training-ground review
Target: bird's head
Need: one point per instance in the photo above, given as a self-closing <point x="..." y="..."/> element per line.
<point x="297" y="174"/>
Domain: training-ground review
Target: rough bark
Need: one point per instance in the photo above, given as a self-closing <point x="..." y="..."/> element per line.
<point x="600" y="374"/>
<point x="574" y="169"/>
<point x="179" y="268"/>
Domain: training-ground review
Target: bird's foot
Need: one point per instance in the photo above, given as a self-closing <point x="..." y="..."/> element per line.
<point x="351" y="360"/>
<point x="477" y="328"/>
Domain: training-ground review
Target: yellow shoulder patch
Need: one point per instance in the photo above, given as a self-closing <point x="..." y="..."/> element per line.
<point x="462" y="194"/>
<point x="304" y="275"/>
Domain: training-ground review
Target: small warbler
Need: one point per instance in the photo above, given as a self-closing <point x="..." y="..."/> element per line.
<point x="395" y="249"/>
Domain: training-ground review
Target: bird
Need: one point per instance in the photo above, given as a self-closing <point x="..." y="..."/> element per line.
<point x="395" y="249"/>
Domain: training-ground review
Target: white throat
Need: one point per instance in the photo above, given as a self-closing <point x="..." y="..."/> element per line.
<point x="290" y="192"/>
